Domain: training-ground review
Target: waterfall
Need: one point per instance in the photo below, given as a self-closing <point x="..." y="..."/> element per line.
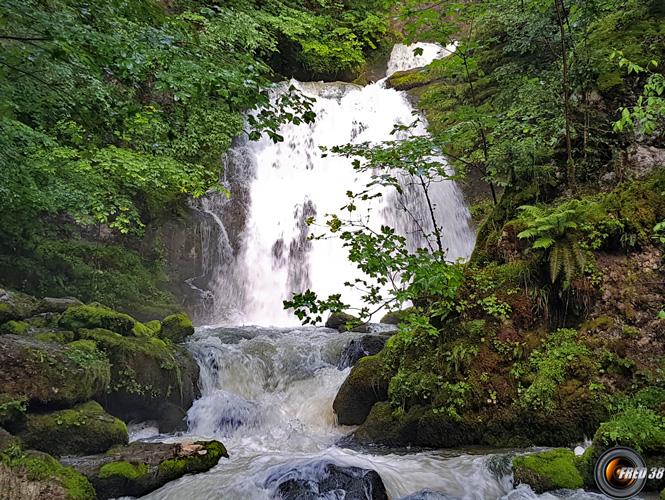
<point x="267" y="257"/>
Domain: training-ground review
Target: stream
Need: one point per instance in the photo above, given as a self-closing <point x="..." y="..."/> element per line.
<point x="267" y="391"/>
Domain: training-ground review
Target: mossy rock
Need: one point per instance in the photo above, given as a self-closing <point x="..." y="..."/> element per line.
<point x="50" y="375"/>
<point x="395" y="317"/>
<point x="83" y="429"/>
<point x="150" y="379"/>
<point x="176" y="328"/>
<point x="548" y="470"/>
<point x="58" y="304"/>
<point x="139" y="468"/>
<point x="341" y="321"/>
<point x="366" y="385"/>
<point x="14" y="327"/>
<point x="33" y="475"/>
<point x="16" y="305"/>
<point x="98" y="316"/>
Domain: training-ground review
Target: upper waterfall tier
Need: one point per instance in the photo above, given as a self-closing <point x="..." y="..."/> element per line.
<point x="288" y="182"/>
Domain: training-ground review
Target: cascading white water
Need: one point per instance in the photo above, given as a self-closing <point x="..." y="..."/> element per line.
<point x="267" y="392"/>
<point x="291" y="182"/>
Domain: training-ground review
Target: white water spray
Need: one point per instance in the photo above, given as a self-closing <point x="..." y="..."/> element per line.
<point x="291" y="182"/>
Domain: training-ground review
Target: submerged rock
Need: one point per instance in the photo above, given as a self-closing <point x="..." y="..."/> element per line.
<point x="427" y="495"/>
<point x="323" y="480"/>
<point x="365" y="385"/>
<point x="139" y="468"/>
<point x="83" y="429"/>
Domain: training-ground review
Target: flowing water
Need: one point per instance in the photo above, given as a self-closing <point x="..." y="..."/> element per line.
<point x="267" y="391"/>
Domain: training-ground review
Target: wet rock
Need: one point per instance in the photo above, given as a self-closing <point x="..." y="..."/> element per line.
<point x="366" y="384"/>
<point x="139" y="468"/>
<point x="150" y="379"/>
<point x="16" y="305"/>
<point x="50" y="375"/>
<point x="83" y="429"/>
<point x="323" y="480"/>
<point x="339" y="321"/>
<point x="359" y="348"/>
<point x="176" y="328"/>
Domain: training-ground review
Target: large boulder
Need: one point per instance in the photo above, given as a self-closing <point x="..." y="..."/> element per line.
<point x="83" y="429"/>
<point x="366" y="384"/>
<point x="341" y="321"/>
<point x="98" y="316"/>
<point x="150" y="379"/>
<point x="548" y="470"/>
<point x="176" y="328"/>
<point x="325" y="480"/>
<point x="139" y="468"/>
<point x="33" y="475"/>
<point x="50" y="375"/>
<point x="58" y="304"/>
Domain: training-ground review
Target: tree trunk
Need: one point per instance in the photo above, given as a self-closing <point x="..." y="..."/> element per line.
<point x="570" y="164"/>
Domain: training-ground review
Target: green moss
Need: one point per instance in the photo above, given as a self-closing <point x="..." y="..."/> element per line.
<point x="548" y="470"/>
<point x="61" y="336"/>
<point x="98" y="316"/>
<point x="44" y="468"/>
<point x="123" y="469"/>
<point x="15" y="327"/>
<point x="83" y="429"/>
<point x="154" y="326"/>
<point x="176" y="328"/>
<point x="179" y="466"/>
<point x="639" y="428"/>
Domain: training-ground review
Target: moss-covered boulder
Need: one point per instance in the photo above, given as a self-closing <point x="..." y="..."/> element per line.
<point x="395" y="317"/>
<point x="33" y="475"/>
<point x="341" y="321"/>
<point x="176" y="328"/>
<point x="16" y="305"/>
<point x="366" y="384"/>
<point x="99" y="316"/>
<point x="50" y="375"/>
<point x="83" y="429"/>
<point x="140" y="468"/>
<point x="7" y="439"/>
<point x="548" y="470"/>
<point x="150" y="379"/>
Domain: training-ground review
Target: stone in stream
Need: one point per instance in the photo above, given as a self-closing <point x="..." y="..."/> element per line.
<point x="324" y="479"/>
<point x="427" y="495"/>
<point x="339" y="321"/>
<point x="139" y="468"/>
<point x="366" y="384"/>
<point x="367" y="345"/>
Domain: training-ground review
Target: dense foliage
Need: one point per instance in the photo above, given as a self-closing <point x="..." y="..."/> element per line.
<point x="114" y="112"/>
